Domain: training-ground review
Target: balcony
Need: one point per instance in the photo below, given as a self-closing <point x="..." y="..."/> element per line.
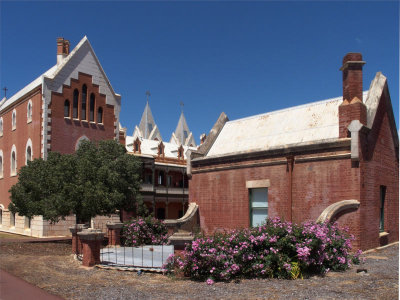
<point x="163" y="190"/>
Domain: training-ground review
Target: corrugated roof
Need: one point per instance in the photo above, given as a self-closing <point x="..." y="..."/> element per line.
<point x="316" y="121"/>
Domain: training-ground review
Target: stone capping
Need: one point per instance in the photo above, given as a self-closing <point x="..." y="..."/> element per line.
<point x="77" y="228"/>
<point x="91" y="235"/>
<point x="337" y="207"/>
<point x="111" y="225"/>
<point x="254" y="184"/>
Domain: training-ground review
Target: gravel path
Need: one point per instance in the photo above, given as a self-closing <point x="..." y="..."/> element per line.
<point x="52" y="267"/>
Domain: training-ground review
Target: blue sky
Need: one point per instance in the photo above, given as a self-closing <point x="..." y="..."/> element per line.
<point x="243" y="58"/>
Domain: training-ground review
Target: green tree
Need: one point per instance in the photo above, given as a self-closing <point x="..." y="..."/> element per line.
<point x="98" y="179"/>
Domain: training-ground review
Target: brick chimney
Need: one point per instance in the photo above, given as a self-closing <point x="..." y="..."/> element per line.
<point x="62" y="49"/>
<point x="352" y="107"/>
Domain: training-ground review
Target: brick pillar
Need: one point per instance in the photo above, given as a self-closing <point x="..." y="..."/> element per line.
<point x="114" y="233"/>
<point x="91" y="241"/>
<point x="76" y="242"/>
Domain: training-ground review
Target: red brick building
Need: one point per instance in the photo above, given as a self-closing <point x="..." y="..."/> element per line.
<point x="71" y="102"/>
<point x="297" y="162"/>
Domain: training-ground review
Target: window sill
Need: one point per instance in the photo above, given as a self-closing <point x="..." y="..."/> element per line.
<point x="383" y="233"/>
<point x="14" y="129"/>
<point x="67" y="118"/>
<point x="29" y="121"/>
<point x="92" y="122"/>
<point x="84" y="121"/>
<point x="13" y="175"/>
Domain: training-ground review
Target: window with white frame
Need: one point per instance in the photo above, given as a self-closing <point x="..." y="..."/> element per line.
<point x="258" y="206"/>
<point x="29" y="111"/>
<point x="14" y="120"/>
<point x="28" y="151"/>
<point x="13" y="165"/>
<point x="1" y="126"/>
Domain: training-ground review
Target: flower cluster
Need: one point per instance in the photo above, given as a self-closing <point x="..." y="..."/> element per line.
<point x="277" y="249"/>
<point x="144" y="231"/>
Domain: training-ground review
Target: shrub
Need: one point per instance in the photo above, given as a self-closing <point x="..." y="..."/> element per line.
<point x="144" y="231"/>
<point x="277" y="249"/>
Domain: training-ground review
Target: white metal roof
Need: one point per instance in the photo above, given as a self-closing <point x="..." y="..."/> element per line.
<point x="150" y="147"/>
<point x="316" y="121"/>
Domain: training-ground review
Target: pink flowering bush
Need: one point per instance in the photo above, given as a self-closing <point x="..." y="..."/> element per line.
<point x="277" y="249"/>
<point x="144" y="231"/>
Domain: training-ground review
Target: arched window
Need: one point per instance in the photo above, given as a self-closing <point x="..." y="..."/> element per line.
<point x="1" y="126"/>
<point x="66" y="108"/>
<point x="100" y="115"/>
<point x="75" y="104"/>
<point x="13" y="170"/>
<point x="80" y="140"/>
<point x="84" y="98"/>
<point x="1" y="164"/>
<point x="29" y="111"/>
<point x="91" y="108"/>
<point x="14" y="120"/>
<point x="28" y="154"/>
<point x="28" y="151"/>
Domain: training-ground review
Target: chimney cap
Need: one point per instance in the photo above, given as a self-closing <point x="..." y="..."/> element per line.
<point x="352" y="56"/>
<point x="352" y="59"/>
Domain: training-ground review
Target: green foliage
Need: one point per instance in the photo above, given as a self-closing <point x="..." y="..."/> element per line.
<point x="97" y="179"/>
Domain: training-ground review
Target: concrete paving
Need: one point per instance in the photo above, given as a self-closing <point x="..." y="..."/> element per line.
<point x="14" y="288"/>
<point x="146" y="256"/>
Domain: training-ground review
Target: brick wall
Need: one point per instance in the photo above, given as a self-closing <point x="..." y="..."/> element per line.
<point x="223" y="198"/>
<point x="19" y="137"/>
<point x="380" y="167"/>
<point x="65" y="132"/>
